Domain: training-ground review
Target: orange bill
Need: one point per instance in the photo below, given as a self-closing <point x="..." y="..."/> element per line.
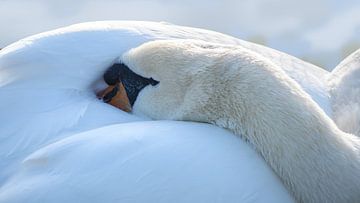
<point x="118" y="97"/>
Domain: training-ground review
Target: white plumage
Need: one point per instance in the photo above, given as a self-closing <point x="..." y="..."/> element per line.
<point x="47" y="90"/>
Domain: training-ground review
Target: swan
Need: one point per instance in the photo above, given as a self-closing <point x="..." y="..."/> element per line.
<point x="57" y="72"/>
<point x="49" y="81"/>
<point x="241" y="91"/>
<point x="51" y="122"/>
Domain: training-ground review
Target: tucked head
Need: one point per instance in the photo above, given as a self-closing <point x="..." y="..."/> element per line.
<point x="161" y="78"/>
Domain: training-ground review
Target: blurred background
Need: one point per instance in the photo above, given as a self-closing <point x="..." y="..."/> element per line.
<point x="319" y="31"/>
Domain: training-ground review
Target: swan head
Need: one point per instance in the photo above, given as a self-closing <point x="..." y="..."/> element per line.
<point x="159" y="79"/>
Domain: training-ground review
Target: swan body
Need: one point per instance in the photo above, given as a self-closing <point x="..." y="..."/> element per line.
<point x="49" y="82"/>
<point x="246" y="93"/>
<point x="55" y="73"/>
<point x="49" y="109"/>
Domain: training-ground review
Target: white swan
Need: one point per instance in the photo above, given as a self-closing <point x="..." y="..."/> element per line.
<point x="48" y="82"/>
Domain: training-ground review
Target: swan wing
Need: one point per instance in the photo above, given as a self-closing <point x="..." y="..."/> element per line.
<point x="151" y="161"/>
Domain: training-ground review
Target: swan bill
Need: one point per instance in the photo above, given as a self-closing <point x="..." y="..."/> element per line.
<point x="124" y="86"/>
<point x="116" y="96"/>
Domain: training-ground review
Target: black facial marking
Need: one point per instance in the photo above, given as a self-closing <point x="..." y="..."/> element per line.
<point x="132" y="82"/>
<point x="112" y="75"/>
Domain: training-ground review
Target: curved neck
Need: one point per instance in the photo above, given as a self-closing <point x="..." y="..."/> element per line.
<point x="314" y="159"/>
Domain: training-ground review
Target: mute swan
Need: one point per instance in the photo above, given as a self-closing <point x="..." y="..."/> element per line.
<point x="53" y="73"/>
<point x="48" y="82"/>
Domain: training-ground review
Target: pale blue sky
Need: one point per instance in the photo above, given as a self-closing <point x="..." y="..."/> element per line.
<point x="320" y="31"/>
